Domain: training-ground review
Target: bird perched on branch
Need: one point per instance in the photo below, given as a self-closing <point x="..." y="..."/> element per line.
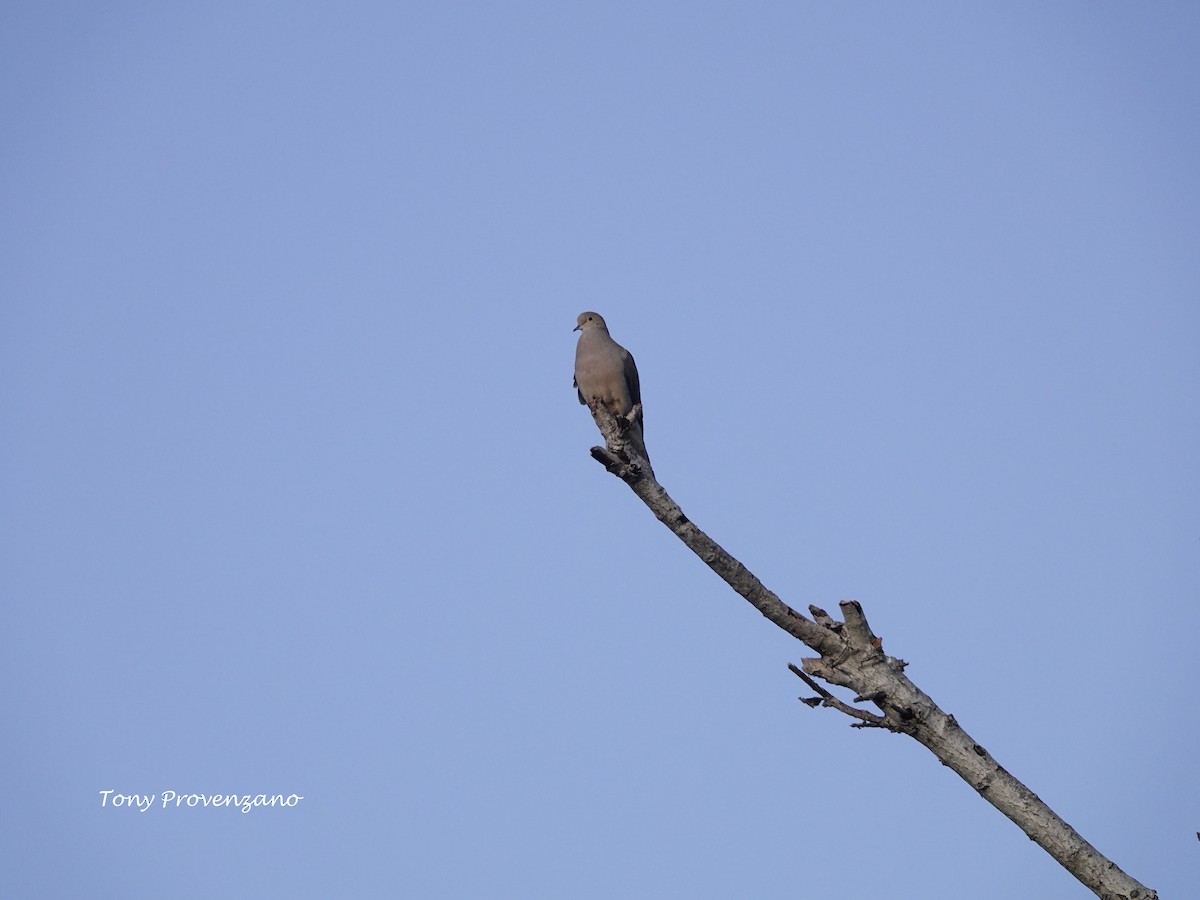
<point x="605" y="372"/>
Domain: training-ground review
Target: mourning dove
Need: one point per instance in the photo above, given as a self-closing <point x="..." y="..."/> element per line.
<point x="605" y="371"/>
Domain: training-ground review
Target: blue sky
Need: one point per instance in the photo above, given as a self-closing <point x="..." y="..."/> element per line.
<point x="296" y="492"/>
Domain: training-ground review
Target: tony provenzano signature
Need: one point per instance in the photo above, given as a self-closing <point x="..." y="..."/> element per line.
<point x="174" y="800"/>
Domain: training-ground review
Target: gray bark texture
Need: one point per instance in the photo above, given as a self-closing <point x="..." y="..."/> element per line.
<point x="852" y="657"/>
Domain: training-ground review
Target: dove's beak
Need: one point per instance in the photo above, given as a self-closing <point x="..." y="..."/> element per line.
<point x="577" y="328"/>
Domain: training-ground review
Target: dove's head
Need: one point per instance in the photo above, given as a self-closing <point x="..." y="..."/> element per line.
<point x="588" y="320"/>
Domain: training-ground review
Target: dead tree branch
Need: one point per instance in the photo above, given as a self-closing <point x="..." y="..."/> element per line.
<point x="851" y="656"/>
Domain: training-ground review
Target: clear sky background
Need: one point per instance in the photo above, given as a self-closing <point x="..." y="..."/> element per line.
<point x="297" y="497"/>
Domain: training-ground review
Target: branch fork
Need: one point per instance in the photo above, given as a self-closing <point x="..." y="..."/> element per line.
<point x="618" y="457"/>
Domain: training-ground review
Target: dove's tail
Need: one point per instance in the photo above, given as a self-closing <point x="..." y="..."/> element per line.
<point x="636" y="442"/>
